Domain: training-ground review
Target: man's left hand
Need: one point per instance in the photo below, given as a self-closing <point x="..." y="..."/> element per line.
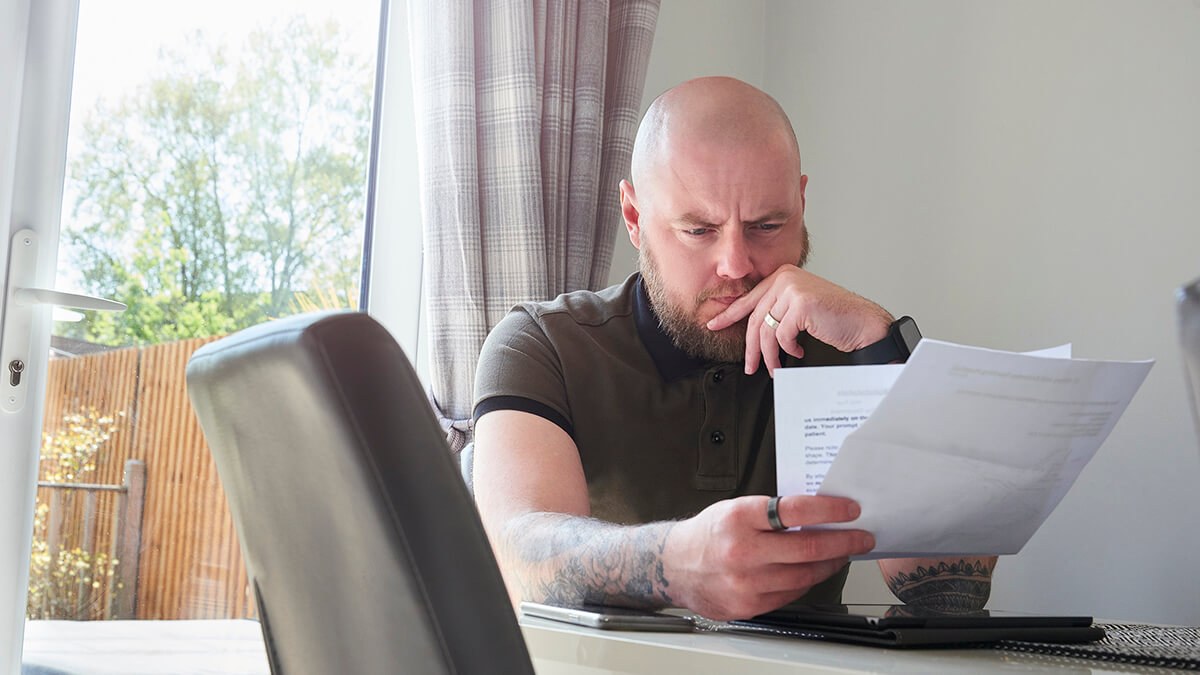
<point x="798" y="300"/>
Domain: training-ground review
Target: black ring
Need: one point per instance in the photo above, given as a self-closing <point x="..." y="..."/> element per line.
<point x="773" y="514"/>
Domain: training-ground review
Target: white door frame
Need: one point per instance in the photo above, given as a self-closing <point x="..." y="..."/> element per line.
<point x="37" y="52"/>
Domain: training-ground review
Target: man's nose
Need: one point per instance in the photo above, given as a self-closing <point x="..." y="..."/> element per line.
<point x="733" y="256"/>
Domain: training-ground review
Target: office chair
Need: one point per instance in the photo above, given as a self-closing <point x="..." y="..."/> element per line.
<point x="1188" y="311"/>
<point x="365" y="552"/>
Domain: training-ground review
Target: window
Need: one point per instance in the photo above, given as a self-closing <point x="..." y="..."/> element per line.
<point x="216" y="177"/>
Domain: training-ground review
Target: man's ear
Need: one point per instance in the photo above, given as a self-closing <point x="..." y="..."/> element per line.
<point x="803" y="185"/>
<point x="629" y="211"/>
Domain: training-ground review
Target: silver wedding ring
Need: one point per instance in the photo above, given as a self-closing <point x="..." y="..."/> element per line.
<point x="773" y="512"/>
<point x="771" y="321"/>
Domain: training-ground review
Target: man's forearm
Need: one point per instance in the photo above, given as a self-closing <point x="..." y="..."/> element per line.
<point x="946" y="585"/>
<point x="564" y="559"/>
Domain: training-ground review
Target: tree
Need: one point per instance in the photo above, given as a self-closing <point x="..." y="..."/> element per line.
<point x="223" y="187"/>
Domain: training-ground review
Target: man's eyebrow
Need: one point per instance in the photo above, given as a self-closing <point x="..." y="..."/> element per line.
<point x="695" y="219"/>
<point x="772" y="217"/>
<point x="700" y="220"/>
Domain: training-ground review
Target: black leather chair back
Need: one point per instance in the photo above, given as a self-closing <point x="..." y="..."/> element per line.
<point x="365" y="551"/>
<point x="1188" y="309"/>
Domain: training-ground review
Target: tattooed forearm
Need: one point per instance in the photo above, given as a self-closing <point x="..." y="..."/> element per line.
<point x="958" y="586"/>
<point x="565" y="559"/>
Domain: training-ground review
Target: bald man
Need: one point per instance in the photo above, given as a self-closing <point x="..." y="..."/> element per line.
<point x="624" y="439"/>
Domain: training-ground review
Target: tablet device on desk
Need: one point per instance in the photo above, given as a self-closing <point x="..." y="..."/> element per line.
<point x="904" y="626"/>
<point x="609" y="618"/>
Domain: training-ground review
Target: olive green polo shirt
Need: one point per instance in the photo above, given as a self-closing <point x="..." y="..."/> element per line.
<point x="661" y="435"/>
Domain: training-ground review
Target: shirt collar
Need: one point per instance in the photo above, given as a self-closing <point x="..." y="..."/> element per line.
<point x="672" y="362"/>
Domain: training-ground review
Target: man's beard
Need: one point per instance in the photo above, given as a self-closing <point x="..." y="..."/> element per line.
<point x="684" y="325"/>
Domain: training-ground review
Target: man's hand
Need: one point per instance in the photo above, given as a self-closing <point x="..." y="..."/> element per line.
<point x="724" y="562"/>
<point x="727" y="562"/>
<point x="802" y="301"/>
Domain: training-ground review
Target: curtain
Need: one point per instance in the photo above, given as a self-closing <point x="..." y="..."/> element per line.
<point x="526" y="112"/>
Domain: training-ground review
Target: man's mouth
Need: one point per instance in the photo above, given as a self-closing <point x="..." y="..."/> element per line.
<point x="725" y="299"/>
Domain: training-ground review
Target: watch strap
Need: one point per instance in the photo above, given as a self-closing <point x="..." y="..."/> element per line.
<point x="886" y="350"/>
<point x="891" y="349"/>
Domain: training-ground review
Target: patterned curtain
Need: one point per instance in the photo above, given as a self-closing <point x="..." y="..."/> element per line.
<point x="526" y="114"/>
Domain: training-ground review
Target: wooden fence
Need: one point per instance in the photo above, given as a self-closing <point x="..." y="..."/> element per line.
<point x="114" y="593"/>
<point x="189" y="564"/>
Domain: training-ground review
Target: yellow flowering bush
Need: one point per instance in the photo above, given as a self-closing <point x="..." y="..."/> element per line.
<point x="69" y="583"/>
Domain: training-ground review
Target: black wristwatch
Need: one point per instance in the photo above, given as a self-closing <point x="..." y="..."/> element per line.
<point x="901" y="339"/>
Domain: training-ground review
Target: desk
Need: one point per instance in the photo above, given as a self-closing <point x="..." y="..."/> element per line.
<point x="234" y="647"/>
<point x="564" y="649"/>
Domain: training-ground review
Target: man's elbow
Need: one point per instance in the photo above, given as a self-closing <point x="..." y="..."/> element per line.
<point x="955" y="599"/>
<point x="953" y="586"/>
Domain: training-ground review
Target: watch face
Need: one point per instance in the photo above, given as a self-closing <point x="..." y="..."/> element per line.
<point x="910" y="335"/>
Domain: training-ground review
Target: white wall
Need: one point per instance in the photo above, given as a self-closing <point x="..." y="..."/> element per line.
<point x="1015" y="175"/>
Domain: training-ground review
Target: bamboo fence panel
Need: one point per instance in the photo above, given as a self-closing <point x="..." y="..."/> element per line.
<point x="190" y="563"/>
<point x="97" y="383"/>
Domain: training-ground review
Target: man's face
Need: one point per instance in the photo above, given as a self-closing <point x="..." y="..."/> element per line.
<point x="710" y="224"/>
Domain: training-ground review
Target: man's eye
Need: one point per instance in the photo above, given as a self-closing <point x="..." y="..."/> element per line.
<point x="697" y="231"/>
<point x="770" y="227"/>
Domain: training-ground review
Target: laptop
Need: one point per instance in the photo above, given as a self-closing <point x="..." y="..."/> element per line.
<point x="905" y="626"/>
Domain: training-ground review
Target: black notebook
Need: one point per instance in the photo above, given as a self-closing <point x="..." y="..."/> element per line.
<point x="904" y="626"/>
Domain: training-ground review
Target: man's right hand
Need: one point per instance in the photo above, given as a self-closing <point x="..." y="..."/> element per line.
<point x="727" y="563"/>
<point x="799" y="300"/>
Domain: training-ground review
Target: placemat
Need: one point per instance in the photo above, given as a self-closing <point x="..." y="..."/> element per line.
<point x="1139" y="644"/>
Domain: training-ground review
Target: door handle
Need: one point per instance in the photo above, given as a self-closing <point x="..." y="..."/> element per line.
<point x="23" y="298"/>
<point x="27" y="297"/>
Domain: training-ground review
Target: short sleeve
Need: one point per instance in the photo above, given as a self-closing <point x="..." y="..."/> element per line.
<point x="519" y="361"/>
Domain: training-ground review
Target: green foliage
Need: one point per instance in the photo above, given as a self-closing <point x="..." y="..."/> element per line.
<point x="68" y="582"/>
<point x="217" y="191"/>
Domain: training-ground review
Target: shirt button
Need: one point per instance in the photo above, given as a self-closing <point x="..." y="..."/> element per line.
<point x="718" y="376"/>
<point x="718" y="436"/>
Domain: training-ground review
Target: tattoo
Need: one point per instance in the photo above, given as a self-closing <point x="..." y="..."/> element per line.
<point x="571" y="560"/>
<point x="955" y="587"/>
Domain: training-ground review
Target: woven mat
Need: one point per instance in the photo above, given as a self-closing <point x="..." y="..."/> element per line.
<point x="1175" y="647"/>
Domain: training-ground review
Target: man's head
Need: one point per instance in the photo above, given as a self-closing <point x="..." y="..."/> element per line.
<point x="715" y="205"/>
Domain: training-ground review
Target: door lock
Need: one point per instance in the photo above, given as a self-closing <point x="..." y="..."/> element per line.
<point x="22" y="297"/>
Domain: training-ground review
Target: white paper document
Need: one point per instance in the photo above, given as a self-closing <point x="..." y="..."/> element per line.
<point x="961" y="451"/>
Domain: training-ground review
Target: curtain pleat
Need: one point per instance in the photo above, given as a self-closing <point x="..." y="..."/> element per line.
<point x="526" y="114"/>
